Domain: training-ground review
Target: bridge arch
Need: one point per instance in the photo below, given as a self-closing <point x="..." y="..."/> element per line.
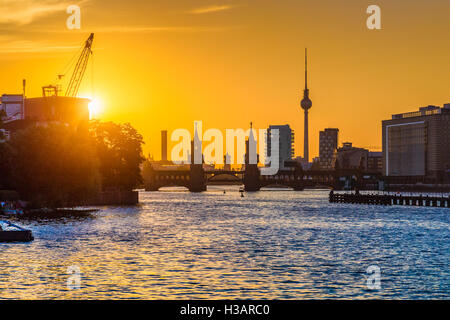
<point x="223" y="177"/>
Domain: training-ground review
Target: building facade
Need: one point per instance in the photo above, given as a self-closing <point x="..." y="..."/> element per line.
<point x="21" y="113"/>
<point x="287" y="139"/>
<point x="13" y="107"/>
<point x="417" y="144"/>
<point x="328" y="143"/>
<point x="350" y="157"/>
<point x="375" y="162"/>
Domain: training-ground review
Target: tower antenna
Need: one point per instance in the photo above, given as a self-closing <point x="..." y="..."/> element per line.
<point x="306" y="68"/>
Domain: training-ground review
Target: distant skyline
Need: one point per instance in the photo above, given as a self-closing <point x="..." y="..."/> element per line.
<point x="161" y="65"/>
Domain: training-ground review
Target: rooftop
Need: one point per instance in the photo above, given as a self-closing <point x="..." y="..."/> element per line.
<point x="424" y="111"/>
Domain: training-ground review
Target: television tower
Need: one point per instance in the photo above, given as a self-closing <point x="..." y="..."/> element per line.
<point x="306" y="104"/>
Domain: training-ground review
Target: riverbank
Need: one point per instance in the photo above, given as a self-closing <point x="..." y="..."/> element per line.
<point x="10" y="203"/>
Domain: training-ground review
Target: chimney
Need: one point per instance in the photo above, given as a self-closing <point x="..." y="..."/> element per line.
<point x="164" y="145"/>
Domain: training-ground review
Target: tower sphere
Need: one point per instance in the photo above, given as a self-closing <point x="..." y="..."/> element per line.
<point x="306" y="103"/>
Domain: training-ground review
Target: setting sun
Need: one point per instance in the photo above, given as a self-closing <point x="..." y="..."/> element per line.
<point x="95" y="108"/>
<point x="216" y="158"/>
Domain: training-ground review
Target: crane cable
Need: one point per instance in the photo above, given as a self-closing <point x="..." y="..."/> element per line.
<point x="61" y="75"/>
<point x="92" y="75"/>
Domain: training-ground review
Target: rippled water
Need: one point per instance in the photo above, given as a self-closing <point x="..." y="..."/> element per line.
<point x="277" y="244"/>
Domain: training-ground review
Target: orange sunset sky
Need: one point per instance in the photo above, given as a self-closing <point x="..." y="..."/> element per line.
<point x="161" y="64"/>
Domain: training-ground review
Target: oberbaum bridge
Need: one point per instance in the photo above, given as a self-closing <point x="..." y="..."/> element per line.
<point x="196" y="178"/>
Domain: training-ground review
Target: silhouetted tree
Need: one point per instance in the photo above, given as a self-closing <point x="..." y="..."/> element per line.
<point x="5" y="166"/>
<point x="2" y="114"/>
<point x="54" y="166"/>
<point x="147" y="170"/>
<point x="119" y="150"/>
<point x="5" y="155"/>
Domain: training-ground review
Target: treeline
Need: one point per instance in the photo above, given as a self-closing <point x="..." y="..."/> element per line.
<point x="61" y="166"/>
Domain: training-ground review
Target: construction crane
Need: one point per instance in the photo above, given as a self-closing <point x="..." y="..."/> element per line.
<point x="78" y="73"/>
<point x="80" y="68"/>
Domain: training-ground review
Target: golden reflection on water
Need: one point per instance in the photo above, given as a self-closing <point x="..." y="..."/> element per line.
<point x="268" y="245"/>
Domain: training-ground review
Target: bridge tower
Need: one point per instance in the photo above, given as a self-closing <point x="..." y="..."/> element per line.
<point x="197" y="179"/>
<point x="252" y="174"/>
<point x="298" y="185"/>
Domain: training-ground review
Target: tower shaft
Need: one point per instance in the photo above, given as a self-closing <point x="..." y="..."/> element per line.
<point x="306" y="141"/>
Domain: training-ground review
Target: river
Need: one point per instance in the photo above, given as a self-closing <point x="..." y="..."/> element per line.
<point x="267" y="245"/>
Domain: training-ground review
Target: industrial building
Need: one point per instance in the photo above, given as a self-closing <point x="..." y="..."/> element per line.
<point x="350" y="157"/>
<point x="52" y="107"/>
<point x="13" y="107"/>
<point x="22" y="112"/>
<point x="417" y="144"/>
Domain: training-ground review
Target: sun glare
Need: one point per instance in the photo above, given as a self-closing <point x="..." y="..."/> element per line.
<point x="95" y="108"/>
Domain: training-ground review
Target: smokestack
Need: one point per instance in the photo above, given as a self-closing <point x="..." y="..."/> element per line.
<point x="164" y="145"/>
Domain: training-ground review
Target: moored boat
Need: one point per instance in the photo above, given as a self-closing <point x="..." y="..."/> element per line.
<point x="11" y="212"/>
<point x="11" y="208"/>
<point x="10" y="232"/>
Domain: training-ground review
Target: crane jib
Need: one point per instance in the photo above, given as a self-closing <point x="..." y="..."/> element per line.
<point x="80" y="68"/>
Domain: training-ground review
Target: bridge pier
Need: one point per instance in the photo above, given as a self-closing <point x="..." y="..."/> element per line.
<point x="197" y="178"/>
<point x="252" y="178"/>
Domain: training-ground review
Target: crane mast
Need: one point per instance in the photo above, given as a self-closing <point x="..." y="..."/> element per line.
<point x="80" y="68"/>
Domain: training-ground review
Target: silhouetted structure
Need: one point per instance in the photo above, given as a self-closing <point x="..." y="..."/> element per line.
<point x="197" y="173"/>
<point x="417" y="144"/>
<point x="328" y="143"/>
<point x="45" y="110"/>
<point x="306" y="104"/>
<point x="252" y="173"/>
<point x="13" y="107"/>
<point x="375" y="162"/>
<point x="350" y="157"/>
<point x="286" y="143"/>
<point x="389" y="200"/>
<point x="164" y="145"/>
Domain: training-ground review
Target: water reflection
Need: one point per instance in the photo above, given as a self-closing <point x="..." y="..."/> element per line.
<point x="279" y="245"/>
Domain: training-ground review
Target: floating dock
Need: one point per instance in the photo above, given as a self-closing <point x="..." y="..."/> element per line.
<point x="390" y="200"/>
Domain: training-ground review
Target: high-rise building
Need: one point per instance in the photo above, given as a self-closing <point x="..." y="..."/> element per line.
<point x="328" y="143"/>
<point x="306" y="104"/>
<point x="164" y="145"/>
<point x="286" y="143"/>
<point x="418" y="143"/>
